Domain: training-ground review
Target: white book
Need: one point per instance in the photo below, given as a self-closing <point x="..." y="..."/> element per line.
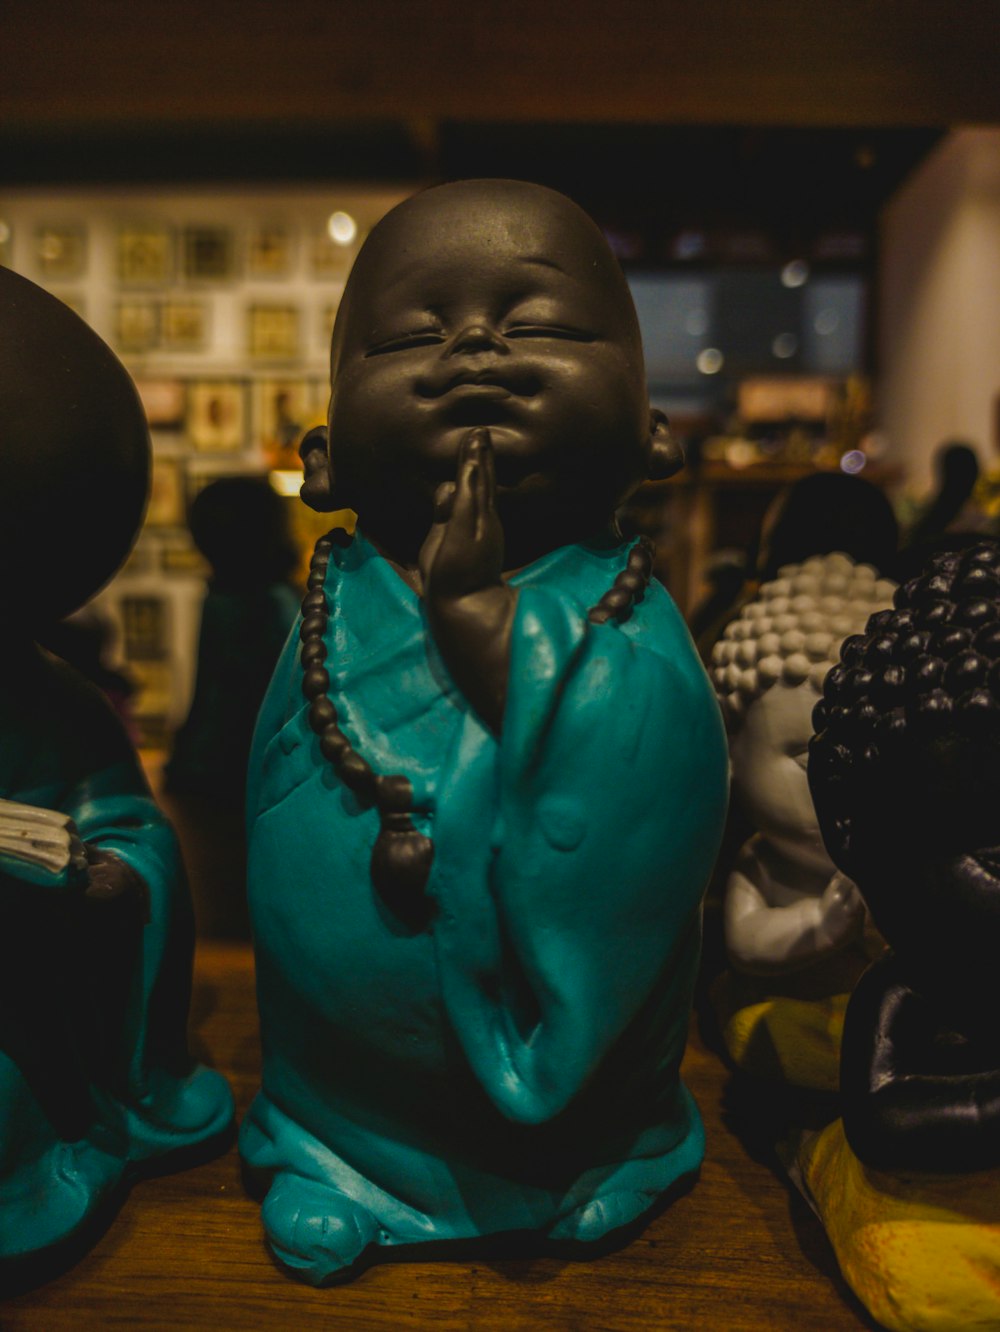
<point x="39" y="845"/>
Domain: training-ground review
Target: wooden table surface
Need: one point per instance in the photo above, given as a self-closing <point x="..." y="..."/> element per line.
<point x="739" y="1251"/>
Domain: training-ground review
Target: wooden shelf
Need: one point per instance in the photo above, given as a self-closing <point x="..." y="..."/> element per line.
<point x="740" y="1251"/>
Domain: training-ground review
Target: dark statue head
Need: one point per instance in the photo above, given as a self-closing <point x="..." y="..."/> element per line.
<point x="74" y="451"/>
<point x="497" y="304"/>
<point x="905" y="774"/>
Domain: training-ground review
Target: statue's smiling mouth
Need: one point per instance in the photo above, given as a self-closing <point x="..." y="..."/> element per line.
<point x="479" y="405"/>
<point x="486" y="381"/>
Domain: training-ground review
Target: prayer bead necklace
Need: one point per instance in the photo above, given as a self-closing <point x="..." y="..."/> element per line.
<point x="402" y="855"/>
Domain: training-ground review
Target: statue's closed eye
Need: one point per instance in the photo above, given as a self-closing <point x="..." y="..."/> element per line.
<point x="549" y="331"/>
<point x="424" y="337"/>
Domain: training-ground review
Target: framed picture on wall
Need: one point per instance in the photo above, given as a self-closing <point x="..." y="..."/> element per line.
<point x="164" y="401"/>
<point x="183" y="326"/>
<point x="144" y="628"/>
<point x="285" y="410"/>
<point x="61" y="251"/>
<point x="209" y="253"/>
<point x="217" y="415"/>
<point x="273" y="331"/>
<point x="269" y="252"/>
<point x="145" y="255"/>
<point x="166" y="494"/>
<point x="137" y="325"/>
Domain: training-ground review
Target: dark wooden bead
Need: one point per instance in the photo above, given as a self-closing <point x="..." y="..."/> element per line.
<point x="315" y="579"/>
<point x="312" y="626"/>
<point x="313" y="652"/>
<point x="315" y="602"/>
<point x="394" y="794"/>
<point x="632" y="581"/>
<point x="322" y="714"/>
<point x="315" y="682"/>
<point x="640" y="559"/>
<point x="618" y="599"/>
<point x="357" y="774"/>
<point x="333" y="744"/>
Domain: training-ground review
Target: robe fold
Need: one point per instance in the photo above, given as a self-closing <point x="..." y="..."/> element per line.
<point x="519" y="1057"/>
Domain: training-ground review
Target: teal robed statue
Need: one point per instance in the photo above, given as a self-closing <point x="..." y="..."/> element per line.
<point x="96" y="1082"/>
<point x="489" y="778"/>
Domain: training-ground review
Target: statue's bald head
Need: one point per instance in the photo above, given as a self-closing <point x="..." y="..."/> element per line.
<point x="490" y="304"/>
<point x="485" y="215"/>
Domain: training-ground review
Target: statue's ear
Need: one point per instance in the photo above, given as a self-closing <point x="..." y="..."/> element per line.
<point x="666" y="457"/>
<point x="317" y="488"/>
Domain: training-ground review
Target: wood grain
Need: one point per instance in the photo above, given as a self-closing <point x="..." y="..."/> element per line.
<point x="926" y="62"/>
<point x="739" y="1251"/>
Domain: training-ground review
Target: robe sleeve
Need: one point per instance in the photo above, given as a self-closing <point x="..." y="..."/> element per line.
<point x="572" y="856"/>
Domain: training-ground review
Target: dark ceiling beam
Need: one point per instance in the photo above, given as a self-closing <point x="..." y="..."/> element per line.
<point x="306" y="63"/>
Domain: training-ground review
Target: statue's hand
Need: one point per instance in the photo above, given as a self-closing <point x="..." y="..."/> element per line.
<point x="110" y="879"/>
<point x="841" y="911"/>
<point x="470" y="609"/>
<point x="463" y="552"/>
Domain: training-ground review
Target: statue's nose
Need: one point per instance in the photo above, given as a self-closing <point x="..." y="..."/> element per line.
<point x="476" y="338"/>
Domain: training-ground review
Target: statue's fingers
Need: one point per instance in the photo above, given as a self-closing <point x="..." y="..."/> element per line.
<point x="444" y="499"/>
<point x="464" y="506"/>
<point x="490" y="475"/>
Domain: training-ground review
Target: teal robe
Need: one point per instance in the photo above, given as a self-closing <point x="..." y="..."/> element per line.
<point x="93" y="1002"/>
<point x="515" y="1064"/>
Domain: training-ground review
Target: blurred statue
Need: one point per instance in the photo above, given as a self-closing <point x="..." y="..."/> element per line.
<point x="793" y="922"/>
<point x="241" y="527"/>
<point x="820" y="514"/>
